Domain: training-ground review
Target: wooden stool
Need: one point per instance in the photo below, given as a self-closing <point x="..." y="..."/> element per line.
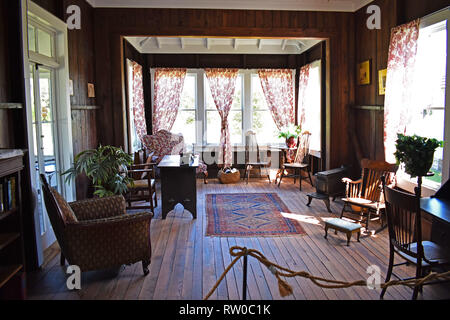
<point x="344" y="226"/>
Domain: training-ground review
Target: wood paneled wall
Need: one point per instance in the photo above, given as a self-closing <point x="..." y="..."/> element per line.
<point x="112" y="24"/>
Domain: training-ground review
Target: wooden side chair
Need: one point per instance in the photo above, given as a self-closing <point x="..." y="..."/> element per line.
<point x="300" y="161"/>
<point x="144" y="187"/>
<point x="405" y="237"/>
<point x="253" y="156"/>
<point x="364" y="197"/>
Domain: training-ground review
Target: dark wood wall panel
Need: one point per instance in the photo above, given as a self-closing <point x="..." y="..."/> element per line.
<point x="112" y="24"/>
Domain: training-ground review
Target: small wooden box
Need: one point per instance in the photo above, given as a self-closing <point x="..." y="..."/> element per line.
<point x="330" y="182"/>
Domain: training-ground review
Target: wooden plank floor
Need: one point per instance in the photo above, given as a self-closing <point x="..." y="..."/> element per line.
<point x="186" y="264"/>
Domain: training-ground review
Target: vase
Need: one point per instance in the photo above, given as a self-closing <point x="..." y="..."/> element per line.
<point x="290" y="142"/>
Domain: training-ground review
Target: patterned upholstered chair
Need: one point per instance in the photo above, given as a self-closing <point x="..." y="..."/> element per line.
<point x="98" y="234"/>
<point x="163" y="143"/>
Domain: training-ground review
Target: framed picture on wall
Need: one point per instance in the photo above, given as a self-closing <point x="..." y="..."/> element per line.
<point x="382" y="82"/>
<point x="364" y="73"/>
<point x="91" y="90"/>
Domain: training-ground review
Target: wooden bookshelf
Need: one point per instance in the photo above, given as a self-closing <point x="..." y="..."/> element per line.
<point x="12" y="256"/>
<point x="7" y="272"/>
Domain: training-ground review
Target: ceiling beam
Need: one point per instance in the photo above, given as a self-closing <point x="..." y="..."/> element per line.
<point x="158" y="43"/>
<point x="182" y="44"/>
<point x="259" y="44"/>
<point x="283" y="44"/>
<point x="207" y="44"/>
<point x="235" y="44"/>
<point x="144" y="41"/>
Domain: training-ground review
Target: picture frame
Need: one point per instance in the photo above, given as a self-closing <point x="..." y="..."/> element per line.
<point x="91" y="90"/>
<point x="364" y="75"/>
<point x="382" y="74"/>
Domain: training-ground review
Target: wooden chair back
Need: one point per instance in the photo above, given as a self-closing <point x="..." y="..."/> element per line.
<point x="302" y="147"/>
<point x="54" y="213"/>
<point x="404" y="221"/>
<point x="372" y="171"/>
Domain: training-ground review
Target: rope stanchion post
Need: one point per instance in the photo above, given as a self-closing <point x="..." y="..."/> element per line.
<point x="244" y="279"/>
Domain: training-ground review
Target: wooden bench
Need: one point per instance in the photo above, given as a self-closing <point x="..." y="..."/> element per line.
<point x="344" y="226"/>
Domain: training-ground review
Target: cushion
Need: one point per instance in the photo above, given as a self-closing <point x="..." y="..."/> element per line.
<point x="343" y="224"/>
<point x="68" y="215"/>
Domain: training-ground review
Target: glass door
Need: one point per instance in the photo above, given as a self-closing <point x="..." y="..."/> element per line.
<point x="45" y="140"/>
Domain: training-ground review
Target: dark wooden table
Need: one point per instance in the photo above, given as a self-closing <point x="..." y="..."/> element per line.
<point x="436" y="214"/>
<point x="178" y="184"/>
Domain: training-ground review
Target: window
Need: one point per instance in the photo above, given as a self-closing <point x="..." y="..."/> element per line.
<point x="262" y="121"/>
<point x="40" y="40"/>
<point x="199" y="121"/>
<point x="313" y="106"/>
<point x="185" y="122"/>
<point x="134" y="142"/>
<point x="213" y="121"/>
<point x="428" y="119"/>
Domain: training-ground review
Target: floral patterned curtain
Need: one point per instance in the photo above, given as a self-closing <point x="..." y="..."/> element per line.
<point x="168" y="87"/>
<point x="303" y="85"/>
<point x="222" y="83"/>
<point x="138" y="101"/>
<point x="278" y="88"/>
<point x="399" y="84"/>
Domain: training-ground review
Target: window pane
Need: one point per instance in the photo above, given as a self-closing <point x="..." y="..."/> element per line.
<point x="185" y="124"/>
<point x="235" y="123"/>
<point x="188" y="96"/>
<point x="262" y="121"/>
<point x="237" y="100"/>
<point x="185" y="121"/>
<point x="31" y="38"/>
<point x="265" y="128"/>
<point x="45" y="43"/>
<point x="45" y="91"/>
<point x="213" y="125"/>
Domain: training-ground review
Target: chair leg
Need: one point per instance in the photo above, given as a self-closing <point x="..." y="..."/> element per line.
<point x="248" y="174"/>
<point x="145" y="265"/>
<point x="205" y="177"/>
<point x="310" y="179"/>
<point x="62" y="259"/>
<point x="300" y="178"/>
<point x="389" y="273"/>
<point x="342" y="212"/>
<point x="281" y="177"/>
<point x="418" y="275"/>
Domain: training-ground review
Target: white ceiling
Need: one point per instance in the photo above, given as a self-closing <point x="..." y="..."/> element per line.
<point x="295" y="5"/>
<point x="220" y="45"/>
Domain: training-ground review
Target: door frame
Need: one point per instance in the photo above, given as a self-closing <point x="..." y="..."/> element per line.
<point x="62" y="103"/>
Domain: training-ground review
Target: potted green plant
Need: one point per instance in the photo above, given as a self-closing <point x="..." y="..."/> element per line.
<point x="106" y="166"/>
<point x="416" y="153"/>
<point x="290" y="134"/>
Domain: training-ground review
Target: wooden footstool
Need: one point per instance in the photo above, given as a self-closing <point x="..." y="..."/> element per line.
<point x="344" y="226"/>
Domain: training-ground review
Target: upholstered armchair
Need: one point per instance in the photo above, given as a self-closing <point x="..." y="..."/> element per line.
<point x="98" y="234"/>
<point x="164" y="143"/>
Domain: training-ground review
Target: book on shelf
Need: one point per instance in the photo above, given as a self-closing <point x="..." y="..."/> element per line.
<point x="8" y="194"/>
<point x="2" y="205"/>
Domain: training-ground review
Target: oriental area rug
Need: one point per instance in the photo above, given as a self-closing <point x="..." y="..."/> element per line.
<point x="248" y="215"/>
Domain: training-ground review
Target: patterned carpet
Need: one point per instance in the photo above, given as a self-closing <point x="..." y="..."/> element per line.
<point x="246" y="215"/>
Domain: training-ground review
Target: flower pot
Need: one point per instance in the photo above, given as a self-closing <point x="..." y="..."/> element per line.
<point x="419" y="166"/>
<point x="290" y="142"/>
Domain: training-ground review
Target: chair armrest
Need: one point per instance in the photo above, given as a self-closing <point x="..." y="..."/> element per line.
<point x="348" y="180"/>
<point x="143" y="165"/>
<point x="103" y="243"/>
<point x="99" y="208"/>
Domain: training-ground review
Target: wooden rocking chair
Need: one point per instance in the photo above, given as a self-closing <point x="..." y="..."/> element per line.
<point x="365" y="196"/>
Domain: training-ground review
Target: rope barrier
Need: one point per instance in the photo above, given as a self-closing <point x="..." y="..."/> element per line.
<point x="286" y="290"/>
